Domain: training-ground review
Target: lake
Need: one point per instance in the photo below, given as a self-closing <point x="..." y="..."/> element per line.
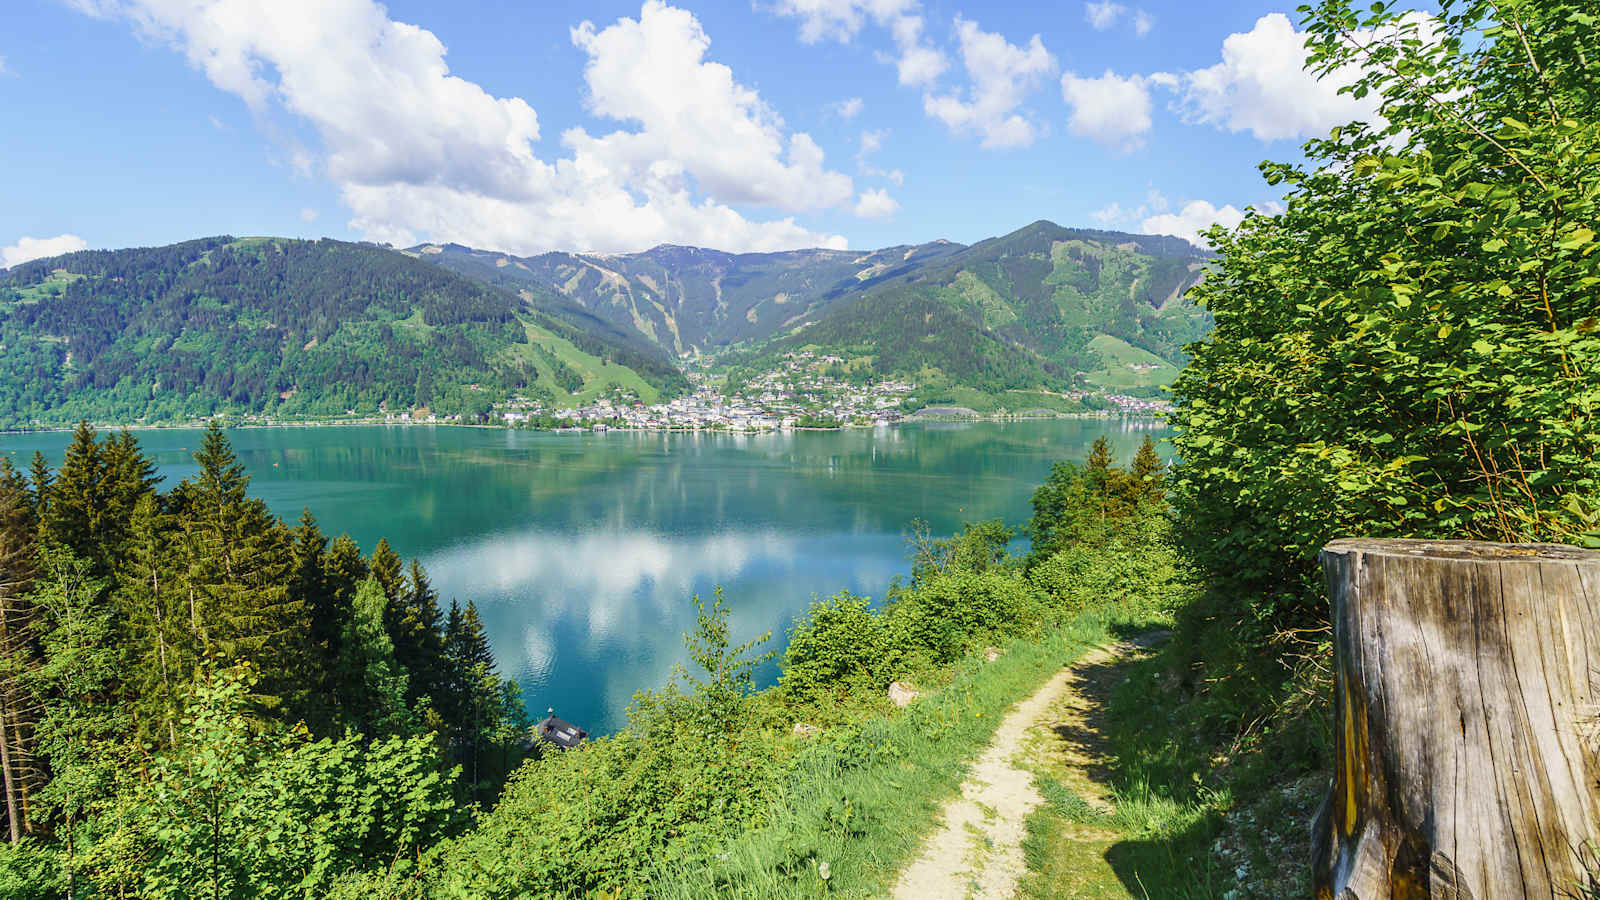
<point x="582" y="550"/>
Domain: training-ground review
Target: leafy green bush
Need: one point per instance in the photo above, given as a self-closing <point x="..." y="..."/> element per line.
<point x="232" y="813"/>
<point x="951" y="612"/>
<point x="1412" y="347"/>
<point x="838" y="640"/>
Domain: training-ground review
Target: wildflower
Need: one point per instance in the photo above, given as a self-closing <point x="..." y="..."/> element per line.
<point x="823" y="871"/>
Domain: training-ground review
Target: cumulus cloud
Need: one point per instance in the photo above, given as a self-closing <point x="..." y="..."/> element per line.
<point x="1261" y="86"/>
<point x="1143" y="22"/>
<point x="418" y="152"/>
<point x="37" y="248"/>
<point x="1112" y="111"/>
<point x="1195" y="217"/>
<point x="916" y="62"/>
<point x="1001" y="75"/>
<point x="876" y="204"/>
<point x="848" y="109"/>
<point x="308" y="215"/>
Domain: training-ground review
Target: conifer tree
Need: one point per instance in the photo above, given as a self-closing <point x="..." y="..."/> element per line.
<point x="162" y="651"/>
<point x="18" y="658"/>
<point x="239" y="559"/>
<point x="390" y="572"/>
<point x="419" y="639"/>
<point x="40" y="479"/>
<point x="374" y="682"/>
<point x="76" y="498"/>
<point x="1145" y="476"/>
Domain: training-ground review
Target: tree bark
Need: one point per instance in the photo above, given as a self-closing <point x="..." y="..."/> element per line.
<point x="1465" y="678"/>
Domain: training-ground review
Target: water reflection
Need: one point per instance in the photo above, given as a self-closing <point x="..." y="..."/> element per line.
<point x="581" y="551"/>
<point x="583" y="621"/>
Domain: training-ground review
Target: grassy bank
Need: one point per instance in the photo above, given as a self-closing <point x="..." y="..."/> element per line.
<point x="862" y="796"/>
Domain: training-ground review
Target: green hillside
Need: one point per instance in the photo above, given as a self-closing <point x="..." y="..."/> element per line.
<point x="290" y="329"/>
<point x="689" y="299"/>
<point x="1042" y="308"/>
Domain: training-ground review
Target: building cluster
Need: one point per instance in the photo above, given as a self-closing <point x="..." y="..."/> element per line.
<point x="1139" y="405"/>
<point x="798" y="393"/>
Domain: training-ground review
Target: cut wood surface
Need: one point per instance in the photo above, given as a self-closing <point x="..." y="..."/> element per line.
<point x="1465" y="679"/>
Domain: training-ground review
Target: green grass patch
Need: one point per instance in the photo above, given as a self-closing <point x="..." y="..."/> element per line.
<point x="599" y="377"/>
<point x="1126" y="366"/>
<point x="862" y="799"/>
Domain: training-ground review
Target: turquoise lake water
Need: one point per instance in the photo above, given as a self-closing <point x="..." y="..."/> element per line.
<point x="582" y="551"/>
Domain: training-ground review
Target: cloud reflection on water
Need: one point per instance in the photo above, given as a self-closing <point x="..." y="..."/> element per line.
<point x="569" y="610"/>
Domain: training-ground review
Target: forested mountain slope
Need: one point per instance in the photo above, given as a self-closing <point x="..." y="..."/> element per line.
<point x="290" y="328"/>
<point x="1044" y="307"/>
<point x="690" y="299"/>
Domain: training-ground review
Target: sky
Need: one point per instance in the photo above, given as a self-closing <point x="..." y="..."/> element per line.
<point x="616" y="126"/>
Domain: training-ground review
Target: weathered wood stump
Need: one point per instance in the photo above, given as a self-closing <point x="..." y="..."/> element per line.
<point x="1464" y="682"/>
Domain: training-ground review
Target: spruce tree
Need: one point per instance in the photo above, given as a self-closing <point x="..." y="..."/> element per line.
<point x="77" y="497"/>
<point x="152" y="607"/>
<point x="373" y="684"/>
<point x="18" y="655"/>
<point x="1146" y="473"/>
<point x="419" y="639"/>
<point x="41" y="479"/>
<point x="390" y="572"/>
<point x="239" y="559"/>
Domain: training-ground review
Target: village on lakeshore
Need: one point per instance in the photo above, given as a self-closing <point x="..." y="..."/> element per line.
<point x="806" y="390"/>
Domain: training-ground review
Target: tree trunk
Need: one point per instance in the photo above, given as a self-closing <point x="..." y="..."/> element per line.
<point x="1464" y="681"/>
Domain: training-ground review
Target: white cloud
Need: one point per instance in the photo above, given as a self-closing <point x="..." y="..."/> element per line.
<point x="1001" y="75"/>
<point x="1143" y="22"/>
<point x="872" y="142"/>
<point x="1112" y="111"/>
<point x="418" y="152"/>
<point x="308" y="215"/>
<point x="876" y="204"/>
<point x="37" y="248"/>
<point x="1111" y="215"/>
<point x="3" y="69"/>
<point x="848" y="109"/>
<point x="915" y="61"/>
<point x="1103" y="15"/>
<point x="1195" y="217"/>
<point x="693" y="113"/>
<point x="1115" y="214"/>
<point x="1261" y="86"/>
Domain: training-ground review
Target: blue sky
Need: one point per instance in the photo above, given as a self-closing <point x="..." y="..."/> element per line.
<point x="616" y="126"/>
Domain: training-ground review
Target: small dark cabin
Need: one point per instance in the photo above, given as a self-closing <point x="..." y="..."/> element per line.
<point x="559" y="732"/>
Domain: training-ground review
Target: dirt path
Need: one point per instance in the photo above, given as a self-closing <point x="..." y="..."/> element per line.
<point x="977" y="851"/>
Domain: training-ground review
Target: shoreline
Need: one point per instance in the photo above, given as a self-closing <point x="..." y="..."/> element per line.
<point x="586" y="429"/>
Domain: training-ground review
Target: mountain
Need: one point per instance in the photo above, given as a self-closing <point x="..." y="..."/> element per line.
<point x="291" y="328"/>
<point x="688" y="299"/>
<point x="1043" y="308"/>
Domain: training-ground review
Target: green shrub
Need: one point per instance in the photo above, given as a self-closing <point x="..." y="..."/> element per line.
<point x="949" y="613"/>
<point x="838" y="640"/>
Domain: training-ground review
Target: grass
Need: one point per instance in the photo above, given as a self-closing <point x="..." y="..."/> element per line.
<point x="598" y="376"/>
<point x="1120" y="356"/>
<point x="862" y="799"/>
<point x="1154" y="839"/>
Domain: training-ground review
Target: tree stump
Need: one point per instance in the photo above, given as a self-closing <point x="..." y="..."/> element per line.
<point x="1465" y="677"/>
